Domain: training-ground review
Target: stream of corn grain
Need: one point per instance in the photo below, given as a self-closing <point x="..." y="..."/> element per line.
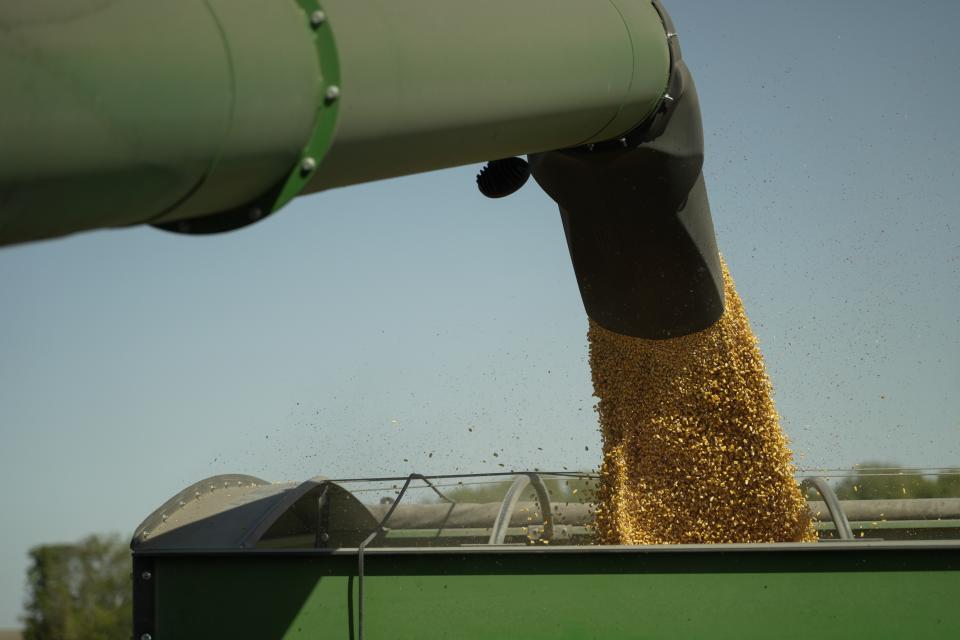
<point x="693" y="451"/>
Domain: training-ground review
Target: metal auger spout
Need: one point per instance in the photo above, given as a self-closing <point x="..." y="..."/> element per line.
<point x="637" y="219"/>
<point x="202" y="117"/>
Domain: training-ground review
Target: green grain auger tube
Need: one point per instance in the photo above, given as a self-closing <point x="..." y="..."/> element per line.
<point x="206" y="116"/>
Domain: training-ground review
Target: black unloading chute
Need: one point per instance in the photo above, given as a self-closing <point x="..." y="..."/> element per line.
<point x="638" y="222"/>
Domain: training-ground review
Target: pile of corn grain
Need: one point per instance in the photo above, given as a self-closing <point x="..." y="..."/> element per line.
<point x="692" y="446"/>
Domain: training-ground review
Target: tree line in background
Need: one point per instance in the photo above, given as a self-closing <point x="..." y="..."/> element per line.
<point x="880" y="481"/>
<point x="869" y="481"/>
<point x="79" y="591"/>
<point x="82" y="591"/>
<point x="573" y="489"/>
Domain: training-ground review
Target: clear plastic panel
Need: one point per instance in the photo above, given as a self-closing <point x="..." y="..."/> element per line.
<point x="889" y="503"/>
<point x="534" y="508"/>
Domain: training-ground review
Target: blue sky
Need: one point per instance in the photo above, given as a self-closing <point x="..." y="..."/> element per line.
<point x="361" y="330"/>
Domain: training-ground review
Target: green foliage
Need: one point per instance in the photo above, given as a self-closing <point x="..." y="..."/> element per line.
<point x="560" y="490"/>
<point x="79" y="591"/>
<point x="879" y="481"/>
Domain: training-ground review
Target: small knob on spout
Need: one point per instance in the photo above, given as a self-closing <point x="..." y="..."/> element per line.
<point x="500" y="178"/>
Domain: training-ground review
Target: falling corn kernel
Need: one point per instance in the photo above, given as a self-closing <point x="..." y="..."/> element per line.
<point x="693" y="451"/>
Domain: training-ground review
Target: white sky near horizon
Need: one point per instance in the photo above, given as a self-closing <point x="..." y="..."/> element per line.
<point x="365" y="330"/>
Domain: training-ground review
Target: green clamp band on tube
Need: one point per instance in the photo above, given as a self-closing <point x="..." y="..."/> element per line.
<point x="328" y="107"/>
